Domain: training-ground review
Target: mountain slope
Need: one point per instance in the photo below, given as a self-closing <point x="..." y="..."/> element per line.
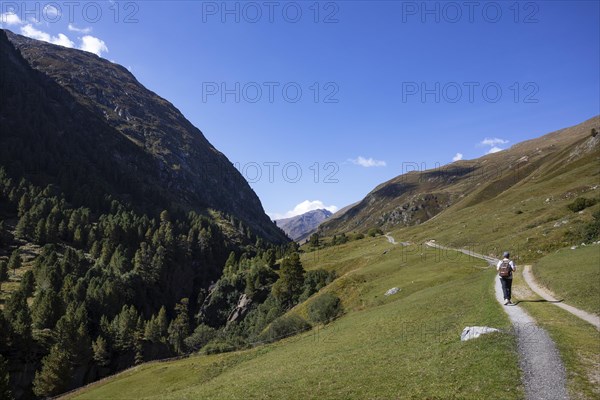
<point x="300" y="226"/>
<point x="413" y="336"/>
<point x="108" y="241"/>
<point x="179" y="162"/>
<point x="416" y="197"/>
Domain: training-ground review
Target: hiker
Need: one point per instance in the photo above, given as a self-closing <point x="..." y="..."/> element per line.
<point x="505" y="270"/>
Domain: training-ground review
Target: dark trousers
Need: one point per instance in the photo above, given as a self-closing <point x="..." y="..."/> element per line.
<point x="506" y="287"/>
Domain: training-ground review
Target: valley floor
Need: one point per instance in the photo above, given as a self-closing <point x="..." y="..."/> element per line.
<point x="402" y="346"/>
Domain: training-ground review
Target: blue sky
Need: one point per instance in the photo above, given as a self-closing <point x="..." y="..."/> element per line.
<point x="319" y="102"/>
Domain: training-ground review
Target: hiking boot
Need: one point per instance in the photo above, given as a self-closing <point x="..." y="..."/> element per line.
<point x="506" y="302"/>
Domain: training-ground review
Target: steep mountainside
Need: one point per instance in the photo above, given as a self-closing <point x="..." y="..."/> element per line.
<point x="101" y="104"/>
<point x="418" y="196"/>
<point x="114" y="225"/>
<point x="300" y="226"/>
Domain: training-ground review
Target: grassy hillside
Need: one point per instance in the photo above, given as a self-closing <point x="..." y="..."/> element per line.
<point x="573" y="275"/>
<point x="531" y="218"/>
<point x="565" y="161"/>
<point x="382" y="346"/>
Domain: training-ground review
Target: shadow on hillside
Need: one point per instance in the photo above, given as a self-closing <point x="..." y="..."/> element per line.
<point x="538" y="301"/>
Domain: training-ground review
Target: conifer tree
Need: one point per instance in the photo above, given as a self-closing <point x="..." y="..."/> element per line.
<point x="47" y="309"/>
<point x="288" y="288"/>
<point x="17" y="313"/>
<point x="3" y="272"/>
<point x="54" y="376"/>
<point x="151" y="330"/>
<point x="39" y="235"/>
<point x="5" y="392"/>
<point x="15" y="261"/>
<point x="179" y="328"/>
<point x="162" y="322"/>
<point x="27" y="283"/>
<point x="101" y="353"/>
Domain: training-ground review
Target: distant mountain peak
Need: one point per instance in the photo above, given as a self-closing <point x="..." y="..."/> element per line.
<point x="300" y="226"/>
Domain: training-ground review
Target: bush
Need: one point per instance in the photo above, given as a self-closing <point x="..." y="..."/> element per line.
<point x="581" y="203"/>
<point x="375" y="232"/>
<point x="219" y="346"/>
<point x="314" y="281"/>
<point x="285" y="326"/>
<point x="202" y="335"/>
<point x="325" y="308"/>
<point x="591" y="231"/>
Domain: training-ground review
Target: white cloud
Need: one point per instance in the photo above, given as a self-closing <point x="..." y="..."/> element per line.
<point x="304" y="207"/>
<point x="62" y="40"/>
<point x="457" y="157"/>
<point x="367" y="162"/>
<point x="493" y="141"/>
<point x="73" y="28"/>
<point x="9" y="18"/>
<point x="494" y="149"/>
<point x="51" y="12"/>
<point x="93" y="45"/>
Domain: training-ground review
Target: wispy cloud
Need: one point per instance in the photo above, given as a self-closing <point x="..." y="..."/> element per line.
<point x="367" y="162"/>
<point x="457" y="157"/>
<point x="51" y="12"/>
<point x="304" y="207"/>
<point x="93" y="45"/>
<point x="61" y="39"/>
<point x="494" y="149"/>
<point x="493" y="141"/>
<point x="88" y="43"/>
<point x="73" y="28"/>
<point x="9" y="19"/>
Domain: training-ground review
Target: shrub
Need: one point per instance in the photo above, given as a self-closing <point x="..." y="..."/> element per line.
<point x="285" y="326"/>
<point x="591" y="231"/>
<point x="581" y="203"/>
<point x="375" y="232"/>
<point x="358" y="236"/>
<point x="202" y="335"/>
<point x="314" y="281"/>
<point x="219" y="346"/>
<point x="325" y="308"/>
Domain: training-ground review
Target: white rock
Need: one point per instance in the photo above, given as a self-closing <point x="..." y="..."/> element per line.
<point x="473" y="332"/>
<point x="392" y="291"/>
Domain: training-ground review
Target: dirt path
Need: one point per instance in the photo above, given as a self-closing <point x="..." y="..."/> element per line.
<point x="547" y="295"/>
<point x="393" y="241"/>
<point x="544" y="375"/>
<point x="390" y="239"/>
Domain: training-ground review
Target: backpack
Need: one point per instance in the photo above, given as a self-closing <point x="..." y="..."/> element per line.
<point x="505" y="270"/>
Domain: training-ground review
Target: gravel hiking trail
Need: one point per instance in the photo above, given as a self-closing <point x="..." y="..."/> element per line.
<point x="393" y="241"/>
<point x="544" y="375"/>
<point x="547" y="295"/>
